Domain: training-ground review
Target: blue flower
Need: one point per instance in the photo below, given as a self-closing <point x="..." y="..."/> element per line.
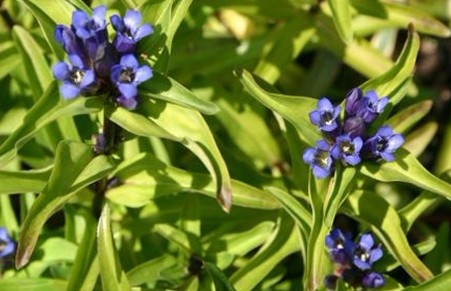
<point x="371" y="106"/>
<point x="354" y="126"/>
<point x="69" y="41"/>
<point x="372" y="279"/>
<point x="319" y="159"/>
<point x="7" y="245"/>
<point x="127" y="75"/>
<point x="76" y="78"/>
<point x="86" y="27"/>
<point x="340" y="246"/>
<point x="326" y="116"/>
<point x="384" y="143"/>
<point x="353" y="102"/>
<point x="347" y="149"/>
<point x="366" y="252"/>
<point x="129" y="31"/>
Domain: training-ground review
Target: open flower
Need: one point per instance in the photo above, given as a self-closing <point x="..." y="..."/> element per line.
<point x="384" y="143"/>
<point x="76" y="78"/>
<point x="347" y="149"/>
<point x="127" y="75"/>
<point x="340" y="246"/>
<point x="326" y="116"/>
<point x="7" y="245"/>
<point x="366" y="252"/>
<point x="86" y="27"/>
<point x="371" y="106"/>
<point x="319" y="159"/>
<point x="129" y="31"/>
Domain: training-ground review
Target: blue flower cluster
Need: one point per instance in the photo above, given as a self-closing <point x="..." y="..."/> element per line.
<point x="7" y="244"/>
<point x="354" y="260"/>
<point x="348" y="141"/>
<point x="98" y="66"/>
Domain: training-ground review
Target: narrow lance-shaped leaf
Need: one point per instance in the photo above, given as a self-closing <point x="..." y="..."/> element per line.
<point x="24" y="181"/>
<point x="219" y="278"/>
<point x="295" y="109"/>
<point x="113" y="277"/>
<point x="406" y="168"/>
<point x="341" y="12"/>
<point x="75" y="167"/>
<point x="47" y="109"/>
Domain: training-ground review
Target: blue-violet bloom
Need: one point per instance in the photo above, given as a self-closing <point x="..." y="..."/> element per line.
<point x="371" y="106"/>
<point x="86" y="27"/>
<point x="7" y="245"/>
<point x="347" y="149"/>
<point x="354" y="126"/>
<point x="326" y="116"/>
<point x="127" y="75"/>
<point x="366" y="252"/>
<point x="372" y="279"/>
<point x="340" y="246"/>
<point x="76" y="77"/>
<point x="69" y="41"/>
<point x="353" y="102"/>
<point x="384" y="143"/>
<point x="319" y="159"/>
<point x="129" y="31"/>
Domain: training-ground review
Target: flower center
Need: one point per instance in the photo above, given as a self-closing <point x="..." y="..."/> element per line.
<point x="321" y="158"/>
<point x="347" y="148"/>
<point x="327" y="118"/>
<point x="126" y="76"/>
<point x="3" y="245"/>
<point x="362" y="255"/>
<point x="381" y="144"/>
<point x="76" y="76"/>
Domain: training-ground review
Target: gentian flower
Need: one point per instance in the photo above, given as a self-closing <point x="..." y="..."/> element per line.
<point x="353" y="102"/>
<point x="127" y="75"/>
<point x="371" y="106"/>
<point x="319" y="159"/>
<point x="340" y="246"/>
<point x="366" y="253"/>
<point x="76" y="77"/>
<point x="325" y="117"/>
<point x="86" y="27"/>
<point x="372" y="279"/>
<point x="69" y="41"/>
<point x="129" y="31"/>
<point x="347" y="149"/>
<point x="384" y="143"/>
<point x="354" y="126"/>
<point x="7" y="245"/>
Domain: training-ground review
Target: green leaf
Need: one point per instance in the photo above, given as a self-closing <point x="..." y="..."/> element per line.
<point x="9" y="57"/>
<point x="418" y="140"/>
<point x="186" y="241"/>
<point x="342" y="18"/>
<point x="374" y="210"/>
<point x="285" y="44"/>
<point x="150" y="271"/>
<point x="32" y="284"/>
<point x="283" y="242"/>
<point x="38" y="71"/>
<point x="48" y="108"/>
<point x="74" y="168"/>
<point x="190" y="127"/>
<point x="179" y="11"/>
<point x="164" y="88"/>
<point x="387" y="84"/>
<point x="219" y="278"/>
<point x="406" y="168"/>
<point x="145" y="178"/>
<point x="402" y="121"/>
<point x="295" y="109"/>
<point x="439" y="283"/>
<point x="24" y="181"/>
<point x="111" y="273"/>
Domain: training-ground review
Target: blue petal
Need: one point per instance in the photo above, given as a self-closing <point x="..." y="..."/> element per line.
<point x="358" y="143"/>
<point x="385" y="131"/>
<point x="336" y="152"/>
<point x="366" y="241"/>
<point x="309" y="155"/>
<point x="352" y="160"/>
<point x="128" y="90"/>
<point x="132" y="19"/>
<point x="394" y="142"/>
<point x="319" y="172"/>
<point x="129" y="103"/>
<point x="143" y="31"/>
<point x="315" y="117"/>
<point x="372" y="280"/>
<point x="376" y="254"/>
<point x="389" y="157"/>
<point x="79" y="18"/>
<point x="118" y="23"/>
<point x="124" y="44"/>
<point x="115" y="73"/>
<point x="76" y="61"/>
<point x="98" y="15"/>
<point x="381" y="104"/>
<point x="129" y="61"/>
<point x="69" y="90"/>
<point x="143" y="73"/>
<point x="61" y="71"/>
<point x="324" y="104"/>
<point x="88" y="79"/>
<point x="322" y="145"/>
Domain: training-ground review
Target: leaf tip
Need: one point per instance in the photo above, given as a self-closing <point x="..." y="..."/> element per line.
<point x="225" y="198"/>
<point x="23" y="256"/>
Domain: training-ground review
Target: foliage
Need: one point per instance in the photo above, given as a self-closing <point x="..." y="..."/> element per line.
<point x="184" y="169"/>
